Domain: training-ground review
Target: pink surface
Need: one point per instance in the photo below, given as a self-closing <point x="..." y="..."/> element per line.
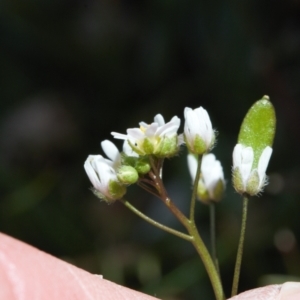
<point x="286" y="291"/>
<point x="27" y="273"/>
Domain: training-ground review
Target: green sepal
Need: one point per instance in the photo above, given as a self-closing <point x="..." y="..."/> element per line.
<point x="238" y="181"/>
<point x="202" y="193"/>
<point x="148" y="146"/>
<point x="198" y="147"/>
<point x="218" y="191"/>
<point x="252" y="185"/>
<point x="116" y="189"/>
<point x="258" y="128"/>
<point x="168" y="147"/>
<point x="135" y="148"/>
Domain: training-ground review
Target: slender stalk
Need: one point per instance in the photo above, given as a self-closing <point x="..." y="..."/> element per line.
<point x="194" y="194"/>
<point x="209" y="264"/>
<point x="190" y="226"/>
<point x="239" y="255"/>
<point x="212" y="213"/>
<point x="155" y="223"/>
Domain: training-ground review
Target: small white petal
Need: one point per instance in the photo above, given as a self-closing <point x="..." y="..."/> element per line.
<point x="110" y="150"/>
<point x="167" y="129"/>
<point x="90" y="171"/>
<point x="237" y="155"/>
<point x="159" y="119"/>
<point x="151" y="130"/>
<point x="135" y="133"/>
<point x="192" y="165"/>
<point x="119" y="136"/>
<point x="176" y="121"/>
<point x="243" y="159"/>
<point x="197" y="123"/>
<point x="128" y="150"/>
<point x="263" y="162"/>
<point x="143" y="124"/>
<point x="186" y="110"/>
<point x="212" y="172"/>
<point x="191" y="125"/>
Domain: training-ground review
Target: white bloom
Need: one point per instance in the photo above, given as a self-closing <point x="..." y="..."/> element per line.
<point x="102" y="173"/>
<point x="158" y="138"/>
<point x="128" y="150"/>
<point x="247" y="179"/>
<point x="211" y="184"/>
<point x="111" y="152"/>
<point x="198" y="132"/>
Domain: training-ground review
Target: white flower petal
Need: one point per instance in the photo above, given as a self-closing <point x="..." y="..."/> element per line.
<point x="135" y="133"/>
<point x="151" y="130"/>
<point x="192" y="165"/>
<point x="237" y="155"/>
<point x="243" y="159"/>
<point x="197" y="123"/>
<point x="119" y="136"/>
<point x="168" y="129"/>
<point x="110" y="150"/>
<point x="128" y="150"/>
<point x="159" y="119"/>
<point x="90" y="171"/>
<point x="263" y="163"/>
<point x="212" y="172"/>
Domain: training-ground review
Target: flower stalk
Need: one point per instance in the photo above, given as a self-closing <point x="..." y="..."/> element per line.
<point x="239" y="255"/>
<point x="212" y="219"/>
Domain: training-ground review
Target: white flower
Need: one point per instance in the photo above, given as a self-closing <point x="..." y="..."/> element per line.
<point x="246" y="178"/>
<point x="158" y="138"/>
<point x="102" y="173"/>
<point x="211" y="184"/>
<point x="128" y="150"/>
<point x="198" y="132"/>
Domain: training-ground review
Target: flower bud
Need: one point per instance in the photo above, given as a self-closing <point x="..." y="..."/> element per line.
<point x="127" y="175"/>
<point x="199" y="135"/>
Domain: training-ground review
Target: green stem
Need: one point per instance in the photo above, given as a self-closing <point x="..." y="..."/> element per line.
<point x="155" y="223"/>
<point x="194" y="194"/>
<point x="212" y="212"/>
<point x="209" y="264"/>
<point x="190" y="226"/>
<point x="239" y="255"/>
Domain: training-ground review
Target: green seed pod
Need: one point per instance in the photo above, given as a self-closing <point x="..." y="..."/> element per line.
<point x="258" y="128"/>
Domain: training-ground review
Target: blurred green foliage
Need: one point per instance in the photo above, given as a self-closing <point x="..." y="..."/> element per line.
<point x="73" y="71"/>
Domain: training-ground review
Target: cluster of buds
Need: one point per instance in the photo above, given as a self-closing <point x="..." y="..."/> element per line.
<point x="110" y="177"/>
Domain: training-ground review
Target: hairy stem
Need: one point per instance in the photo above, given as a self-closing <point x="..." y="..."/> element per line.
<point x="239" y="255"/>
<point x="212" y="212"/>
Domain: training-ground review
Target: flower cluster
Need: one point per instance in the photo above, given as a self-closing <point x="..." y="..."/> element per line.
<point x="110" y="177"/>
<point x="160" y="139"/>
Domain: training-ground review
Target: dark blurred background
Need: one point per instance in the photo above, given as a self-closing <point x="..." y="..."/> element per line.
<point x="73" y="71"/>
